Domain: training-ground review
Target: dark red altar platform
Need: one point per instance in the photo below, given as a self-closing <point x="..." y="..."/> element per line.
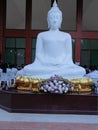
<point x="28" y="102"/>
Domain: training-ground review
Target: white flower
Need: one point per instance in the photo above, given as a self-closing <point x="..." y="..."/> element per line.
<point x="49" y="88"/>
<point x="51" y="84"/>
<point x="46" y="86"/>
<point x="63" y="85"/>
<point x="61" y="91"/>
<point x="56" y="91"/>
<point x="55" y="81"/>
<point x="72" y="88"/>
<point x="42" y="88"/>
<point x="63" y="88"/>
<point x="55" y="87"/>
<point x="60" y="82"/>
<point x="52" y="89"/>
<point x="45" y="90"/>
<point x="60" y="86"/>
<point x="66" y="90"/>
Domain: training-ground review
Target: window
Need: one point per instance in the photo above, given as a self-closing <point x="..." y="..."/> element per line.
<point x="15" y="51"/>
<point x="89" y="52"/>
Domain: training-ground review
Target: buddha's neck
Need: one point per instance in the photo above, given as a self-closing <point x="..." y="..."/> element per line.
<point x="54" y="30"/>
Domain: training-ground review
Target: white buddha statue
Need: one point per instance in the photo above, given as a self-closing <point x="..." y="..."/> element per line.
<point x="53" y="52"/>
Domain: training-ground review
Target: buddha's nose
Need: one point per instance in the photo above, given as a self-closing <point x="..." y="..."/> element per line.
<point x="55" y="20"/>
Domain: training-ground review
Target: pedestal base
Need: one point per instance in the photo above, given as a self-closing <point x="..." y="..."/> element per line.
<point x="26" y="102"/>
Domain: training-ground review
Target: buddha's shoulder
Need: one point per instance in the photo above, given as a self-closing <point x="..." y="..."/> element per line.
<point x="65" y="34"/>
<point x="42" y="33"/>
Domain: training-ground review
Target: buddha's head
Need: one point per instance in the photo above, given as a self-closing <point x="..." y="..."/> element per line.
<point x="54" y="17"/>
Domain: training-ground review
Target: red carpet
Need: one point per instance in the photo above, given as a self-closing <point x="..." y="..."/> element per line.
<point x="46" y="126"/>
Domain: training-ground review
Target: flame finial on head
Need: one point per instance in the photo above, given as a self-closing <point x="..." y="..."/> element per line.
<point x="55" y="4"/>
<point x="54" y="8"/>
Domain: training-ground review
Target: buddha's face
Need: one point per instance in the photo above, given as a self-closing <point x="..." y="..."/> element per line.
<point x="54" y="20"/>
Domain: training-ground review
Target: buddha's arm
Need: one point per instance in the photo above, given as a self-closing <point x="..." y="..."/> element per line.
<point x="69" y="49"/>
<point x="39" y="49"/>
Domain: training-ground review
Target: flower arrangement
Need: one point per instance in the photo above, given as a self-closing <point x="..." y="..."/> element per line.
<point x="56" y="84"/>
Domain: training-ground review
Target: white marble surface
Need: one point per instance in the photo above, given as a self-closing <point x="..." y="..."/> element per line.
<point x="30" y="117"/>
